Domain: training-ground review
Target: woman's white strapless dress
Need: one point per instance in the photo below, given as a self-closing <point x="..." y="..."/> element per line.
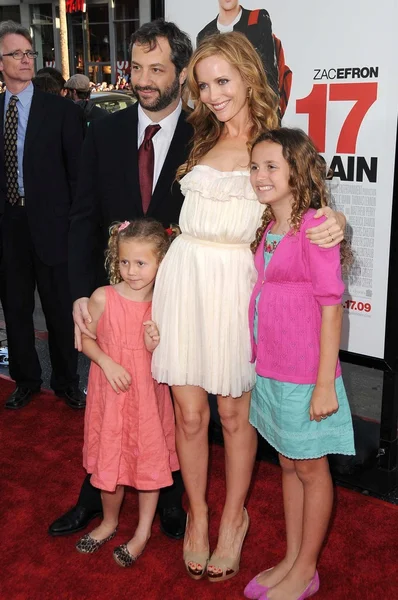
<point x="204" y="283"/>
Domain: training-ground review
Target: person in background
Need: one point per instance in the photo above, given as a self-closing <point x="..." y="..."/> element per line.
<point x="55" y="74"/>
<point x="40" y="144"/>
<point x="46" y="83"/>
<point x="257" y="26"/>
<point x="79" y="90"/>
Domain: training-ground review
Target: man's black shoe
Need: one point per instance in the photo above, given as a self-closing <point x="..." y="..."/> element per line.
<point x="173" y="521"/>
<point x="20" y="397"/>
<point x="74" y="520"/>
<point x="73" y="397"/>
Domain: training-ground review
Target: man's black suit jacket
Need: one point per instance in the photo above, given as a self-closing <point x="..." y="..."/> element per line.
<point x="52" y="150"/>
<point x="257" y="27"/>
<point x="109" y="191"/>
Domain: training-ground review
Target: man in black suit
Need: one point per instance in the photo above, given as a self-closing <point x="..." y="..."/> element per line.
<point x="111" y="188"/>
<point x="40" y="144"/>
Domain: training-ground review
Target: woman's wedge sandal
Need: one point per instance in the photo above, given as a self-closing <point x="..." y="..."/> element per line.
<point x="195" y="562"/>
<point x="228" y="566"/>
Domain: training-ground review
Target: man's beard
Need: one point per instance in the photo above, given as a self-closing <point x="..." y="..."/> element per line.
<point x="164" y="98"/>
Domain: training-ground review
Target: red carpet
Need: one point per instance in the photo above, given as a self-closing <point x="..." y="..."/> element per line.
<point x="41" y="475"/>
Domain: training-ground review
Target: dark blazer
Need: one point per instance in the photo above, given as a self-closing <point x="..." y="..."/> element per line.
<point x="53" y="142"/>
<point x="257" y="27"/>
<point x="109" y="190"/>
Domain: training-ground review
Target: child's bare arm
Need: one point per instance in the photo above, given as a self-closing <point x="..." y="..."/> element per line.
<point x="117" y="375"/>
<point x="151" y="335"/>
<point x="324" y="400"/>
<point x="96" y="306"/>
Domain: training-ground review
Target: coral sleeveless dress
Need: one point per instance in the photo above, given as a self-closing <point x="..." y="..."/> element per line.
<point x="129" y="438"/>
<point x="203" y="286"/>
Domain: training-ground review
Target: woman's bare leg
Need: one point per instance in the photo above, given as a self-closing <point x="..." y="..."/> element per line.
<point x="240" y="441"/>
<point x="192" y="424"/>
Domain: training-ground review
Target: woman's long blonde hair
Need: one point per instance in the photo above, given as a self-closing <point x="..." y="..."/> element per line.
<point x="236" y="49"/>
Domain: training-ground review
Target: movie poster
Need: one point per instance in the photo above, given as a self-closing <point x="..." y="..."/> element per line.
<point x="334" y="67"/>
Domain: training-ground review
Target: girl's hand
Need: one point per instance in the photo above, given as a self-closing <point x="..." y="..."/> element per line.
<point x="151" y="335"/>
<point x="323" y="402"/>
<point x="331" y="232"/>
<point x="118" y="377"/>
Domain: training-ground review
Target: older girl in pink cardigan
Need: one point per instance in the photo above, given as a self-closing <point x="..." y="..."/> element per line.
<point x="299" y="404"/>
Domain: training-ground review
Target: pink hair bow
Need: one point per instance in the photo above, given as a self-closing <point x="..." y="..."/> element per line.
<point x="123" y="225"/>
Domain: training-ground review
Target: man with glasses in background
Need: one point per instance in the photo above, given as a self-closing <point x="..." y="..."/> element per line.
<point x="40" y="142"/>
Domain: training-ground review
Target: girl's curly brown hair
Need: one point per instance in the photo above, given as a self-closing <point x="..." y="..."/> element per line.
<point x="307" y="174"/>
<point x="145" y="230"/>
<point x="235" y="48"/>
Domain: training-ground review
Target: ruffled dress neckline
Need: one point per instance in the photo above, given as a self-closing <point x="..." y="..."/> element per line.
<point x="218" y="185"/>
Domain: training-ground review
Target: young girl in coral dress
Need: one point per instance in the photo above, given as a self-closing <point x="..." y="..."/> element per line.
<point x="299" y="404"/>
<point x="129" y="421"/>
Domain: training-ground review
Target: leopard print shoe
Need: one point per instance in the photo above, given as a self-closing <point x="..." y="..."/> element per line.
<point x="88" y="545"/>
<point x="123" y="557"/>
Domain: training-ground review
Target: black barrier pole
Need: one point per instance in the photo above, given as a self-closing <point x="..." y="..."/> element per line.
<point x="388" y="423"/>
<point x="383" y="476"/>
<point x="157" y="9"/>
<point x="389" y="410"/>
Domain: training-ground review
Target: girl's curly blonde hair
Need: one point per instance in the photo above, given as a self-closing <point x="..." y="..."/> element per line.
<point x="307" y="174"/>
<point x="145" y="230"/>
<point x="235" y="48"/>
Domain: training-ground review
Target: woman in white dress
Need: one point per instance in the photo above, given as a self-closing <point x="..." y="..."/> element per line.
<point x="203" y="288"/>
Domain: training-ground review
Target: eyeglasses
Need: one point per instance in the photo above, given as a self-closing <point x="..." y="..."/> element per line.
<point x="18" y="54"/>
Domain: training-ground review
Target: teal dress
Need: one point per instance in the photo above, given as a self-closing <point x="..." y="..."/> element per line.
<point x="280" y="410"/>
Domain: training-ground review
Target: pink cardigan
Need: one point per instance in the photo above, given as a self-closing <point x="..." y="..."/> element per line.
<point x="300" y="278"/>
